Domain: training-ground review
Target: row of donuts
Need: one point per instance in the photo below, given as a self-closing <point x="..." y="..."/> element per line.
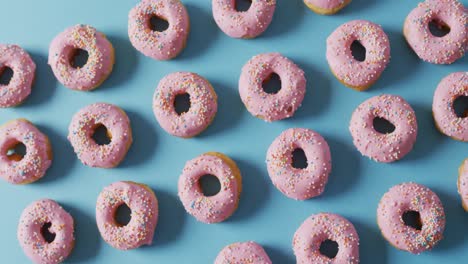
<point x="353" y="73"/>
<point x="46" y="230"/>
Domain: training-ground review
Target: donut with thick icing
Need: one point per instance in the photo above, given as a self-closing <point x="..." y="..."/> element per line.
<point x="17" y="169"/>
<point x="359" y="75"/>
<point x="24" y="70"/>
<point x="326" y="7"/>
<point x="449" y="89"/>
<point x="98" y="66"/>
<point x="144" y="216"/>
<point x="299" y="183"/>
<point x="84" y="124"/>
<point x="210" y="209"/>
<point x="411" y="197"/>
<point x="35" y="218"/>
<point x="272" y="106"/>
<point x="384" y="147"/>
<point x="321" y="227"/>
<point x="202" y="98"/>
<point x="243" y="24"/>
<point x="462" y="183"/>
<point x="159" y="45"/>
<point x="445" y="49"/>
<point x="243" y="253"/>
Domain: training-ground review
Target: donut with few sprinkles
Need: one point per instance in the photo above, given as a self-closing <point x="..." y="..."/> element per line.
<point x="243" y="252"/>
<point x="326" y="7"/>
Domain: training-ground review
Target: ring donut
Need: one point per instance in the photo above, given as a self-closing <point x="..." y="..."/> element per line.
<point x="210" y="209"/>
<point x="277" y="106"/>
<point x="411" y="197"/>
<point x="18" y="169"/>
<point x="144" y="216"/>
<point x="379" y="146"/>
<point x="97" y="68"/>
<point x="159" y="45"/>
<point x="243" y="24"/>
<point x="299" y="183"/>
<point x="321" y="227"/>
<point x="359" y="75"/>
<point x="449" y="89"/>
<point x="83" y="126"/>
<point x="243" y="252"/>
<point x="24" y="70"/>
<point x="38" y="216"/>
<point x="445" y="14"/>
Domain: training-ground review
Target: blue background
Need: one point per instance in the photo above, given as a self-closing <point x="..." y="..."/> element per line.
<point x="156" y="158"/>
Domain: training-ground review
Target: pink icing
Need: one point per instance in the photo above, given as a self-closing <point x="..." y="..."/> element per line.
<point x="411" y="197"/>
<point x="438" y="50"/>
<point x="83" y="126"/>
<point x="243" y="253"/>
<point x="463" y="183"/>
<point x="100" y="57"/>
<point x="212" y="209"/>
<point x="33" y="218"/>
<point x="351" y="72"/>
<point x="203" y="104"/>
<point x="144" y="217"/>
<point x="326" y="226"/>
<point x="272" y="107"/>
<point x="243" y="24"/>
<point x="296" y="183"/>
<point x="384" y="147"/>
<point x="327" y="4"/>
<point x="159" y="45"/>
<point x="24" y="69"/>
<point x="447" y="121"/>
<point x="37" y="159"/>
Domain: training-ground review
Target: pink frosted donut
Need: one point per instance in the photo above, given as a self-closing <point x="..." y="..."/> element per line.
<point x="297" y="183"/>
<point x="144" y="206"/>
<point x="100" y="61"/>
<point x="462" y="183"/>
<point x="359" y="75"/>
<point x="24" y="70"/>
<point x="158" y="45"/>
<point x="203" y="104"/>
<point x="433" y="49"/>
<point x="447" y="121"/>
<point x="381" y="147"/>
<point x="272" y="107"/>
<point x="243" y="253"/>
<point x="83" y="126"/>
<point x="33" y="165"/>
<point x="243" y="24"/>
<point x="326" y="7"/>
<point x="321" y="227"/>
<point x="407" y="197"/>
<point x="44" y="215"/>
<point x="210" y="209"/>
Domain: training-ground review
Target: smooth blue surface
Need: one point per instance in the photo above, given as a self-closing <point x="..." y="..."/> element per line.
<point x="264" y="215"/>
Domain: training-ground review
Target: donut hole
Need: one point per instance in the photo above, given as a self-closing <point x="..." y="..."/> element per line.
<point x="48" y="236"/>
<point x="182" y="103"/>
<point x="101" y="135"/>
<point x="79" y="58"/>
<point x="158" y="23"/>
<point x="329" y="248"/>
<point x="299" y="159"/>
<point x="412" y="219"/>
<point x="6" y="74"/>
<point x="460" y="106"/>
<point x="438" y="28"/>
<point x="243" y="5"/>
<point x="383" y="126"/>
<point x="16" y="151"/>
<point x="123" y="215"/>
<point x="358" y="51"/>
<point x="209" y="185"/>
<point x="272" y="84"/>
